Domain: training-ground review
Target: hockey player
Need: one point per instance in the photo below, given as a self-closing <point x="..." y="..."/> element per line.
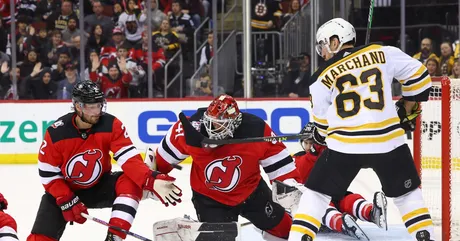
<point x="342" y="211"/>
<point x="226" y="180"/>
<point x="8" y="227"/>
<point x="75" y="168"/>
<point x="353" y="113"/>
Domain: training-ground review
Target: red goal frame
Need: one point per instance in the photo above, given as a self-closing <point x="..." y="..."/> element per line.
<point x="446" y="158"/>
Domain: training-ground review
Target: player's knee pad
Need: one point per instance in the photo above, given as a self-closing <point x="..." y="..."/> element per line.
<point x="39" y="237"/>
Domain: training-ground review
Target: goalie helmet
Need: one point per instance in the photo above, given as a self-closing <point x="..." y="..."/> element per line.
<point x="339" y="27"/>
<point x="307" y="130"/>
<point x="222" y="117"/>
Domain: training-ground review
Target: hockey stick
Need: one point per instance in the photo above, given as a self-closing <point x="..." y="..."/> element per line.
<point x="87" y="216"/>
<point x="369" y="22"/>
<point x="206" y="141"/>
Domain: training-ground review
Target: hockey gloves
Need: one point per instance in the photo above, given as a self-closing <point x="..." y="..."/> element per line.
<point x="72" y="208"/>
<point x="163" y="187"/>
<point x="311" y="129"/>
<point x="3" y="202"/>
<point x="407" y="121"/>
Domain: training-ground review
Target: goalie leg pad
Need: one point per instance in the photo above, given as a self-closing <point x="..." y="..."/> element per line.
<point x="189" y="230"/>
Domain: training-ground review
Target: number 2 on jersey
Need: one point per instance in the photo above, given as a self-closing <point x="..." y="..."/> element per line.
<point x="353" y="96"/>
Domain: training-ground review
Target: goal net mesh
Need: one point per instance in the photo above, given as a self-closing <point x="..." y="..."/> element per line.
<point x="434" y="142"/>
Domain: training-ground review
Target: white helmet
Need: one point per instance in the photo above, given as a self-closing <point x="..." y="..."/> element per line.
<point x="335" y="27"/>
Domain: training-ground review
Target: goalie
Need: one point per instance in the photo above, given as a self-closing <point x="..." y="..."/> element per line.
<point x="342" y="212"/>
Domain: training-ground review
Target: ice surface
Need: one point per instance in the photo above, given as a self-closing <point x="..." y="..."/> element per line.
<point x="21" y="186"/>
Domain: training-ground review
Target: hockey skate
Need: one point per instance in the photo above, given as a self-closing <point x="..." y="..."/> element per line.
<point x="352" y="229"/>
<point x="112" y="237"/>
<point x="379" y="210"/>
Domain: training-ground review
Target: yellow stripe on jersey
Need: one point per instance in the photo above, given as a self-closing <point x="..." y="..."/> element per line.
<point x="308" y="218"/>
<point x="418" y="85"/>
<point x="368" y="126"/>
<point x="320" y="121"/>
<point x="367" y="139"/>
<point x="414" y="213"/>
<point x="420" y="225"/>
<point x="416" y="75"/>
<point x="303" y="230"/>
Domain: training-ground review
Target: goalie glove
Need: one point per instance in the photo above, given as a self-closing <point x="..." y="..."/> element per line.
<point x="311" y="132"/>
<point x="407" y="122"/>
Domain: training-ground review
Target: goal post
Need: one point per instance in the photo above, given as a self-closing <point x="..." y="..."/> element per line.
<point x="437" y="155"/>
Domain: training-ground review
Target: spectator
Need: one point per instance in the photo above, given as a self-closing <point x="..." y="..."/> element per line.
<point x="203" y="86"/>
<point x="115" y="83"/>
<point x="294" y="7"/>
<point x="29" y="63"/>
<point x="71" y="31"/>
<point x="75" y="51"/>
<point x="46" y="7"/>
<point x="132" y="22"/>
<point x="182" y="24"/>
<point x="39" y="84"/>
<point x="58" y="20"/>
<point x="265" y="14"/>
<point x="207" y="6"/>
<point x="38" y="41"/>
<point x="432" y="65"/>
<point x="118" y="38"/>
<point x="6" y="82"/>
<point x="3" y="37"/>
<point x="426" y="51"/>
<point x="296" y="81"/>
<point x="49" y="54"/>
<point x="65" y="86"/>
<point x="94" y="56"/>
<point x="194" y="8"/>
<point x="455" y="70"/>
<point x="58" y="69"/>
<point x="447" y="58"/>
<point x="117" y="11"/>
<point x="98" y="19"/>
<point x="5" y="11"/>
<point x="157" y="15"/>
<point x="207" y="52"/>
<point x="97" y="40"/>
<point x="166" y="39"/>
<point x="136" y="71"/>
<point x="27" y="8"/>
<point x="23" y="32"/>
<point x="165" y="5"/>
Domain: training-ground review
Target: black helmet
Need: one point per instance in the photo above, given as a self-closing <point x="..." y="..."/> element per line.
<point x="87" y="92"/>
<point x="307" y="130"/>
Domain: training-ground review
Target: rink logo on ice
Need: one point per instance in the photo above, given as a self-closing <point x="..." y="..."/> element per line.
<point x="85" y="168"/>
<point x="223" y="174"/>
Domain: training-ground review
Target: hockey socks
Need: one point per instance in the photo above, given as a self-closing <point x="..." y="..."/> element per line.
<point x="415" y="215"/>
<point x="333" y="219"/>
<point x="307" y="218"/>
<point x="282" y="229"/>
<point x="357" y="206"/>
<point x="123" y="213"/>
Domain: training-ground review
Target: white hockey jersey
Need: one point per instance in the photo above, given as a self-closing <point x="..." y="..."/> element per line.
<point x="352" y="101"/>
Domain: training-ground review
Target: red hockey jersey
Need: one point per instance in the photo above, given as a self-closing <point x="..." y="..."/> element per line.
<point x="112" y="88"/>
<point x="305" y="161"/>
<point x="71" y="159"/>
<point x="8" y="228"/>
<point x="229" y="173"/>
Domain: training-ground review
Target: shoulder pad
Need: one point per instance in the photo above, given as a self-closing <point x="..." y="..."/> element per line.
<point x="251" y="126"/>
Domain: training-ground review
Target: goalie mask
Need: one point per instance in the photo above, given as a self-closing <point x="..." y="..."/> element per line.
<point x="91" y="100"/>
<point x="338" y="27"/>
<point x="222" y="118"/>
<point x="307" y="141"/>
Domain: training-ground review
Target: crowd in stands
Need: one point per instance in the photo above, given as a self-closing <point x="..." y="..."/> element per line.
<point x="48" y="39"/>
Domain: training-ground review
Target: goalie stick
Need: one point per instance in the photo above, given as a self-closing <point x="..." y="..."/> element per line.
<point x="97" y="220"/>
<point x="207" y="141"/>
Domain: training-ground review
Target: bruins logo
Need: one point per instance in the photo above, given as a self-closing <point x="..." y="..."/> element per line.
<point x="260" y="9"/>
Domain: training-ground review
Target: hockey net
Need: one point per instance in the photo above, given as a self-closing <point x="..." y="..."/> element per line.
<point x="437" y="155"/>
